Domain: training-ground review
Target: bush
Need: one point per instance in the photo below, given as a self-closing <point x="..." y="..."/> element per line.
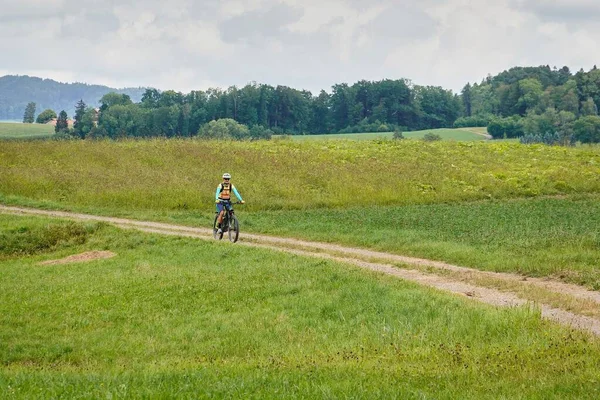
<point x="473" y="121"/>
<point x="97" y="133"/>
<point x="46" y="116"/>
<point x="398" y="134"/>
<point x="260" y="132"/>
<point x="223" y="129"/>
<point x="365" y="126"/>
<point x="501" y="128"/>
<point x="431" y="137"/>
<point x="63" y="135"/>
<point x="25" y="240"/>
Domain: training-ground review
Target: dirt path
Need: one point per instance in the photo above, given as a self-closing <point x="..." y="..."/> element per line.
<point x="477" y="132"/>
<point x="568" y="304"/>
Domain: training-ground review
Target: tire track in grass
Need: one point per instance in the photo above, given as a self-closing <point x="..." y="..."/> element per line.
<point x="378" y="262"/>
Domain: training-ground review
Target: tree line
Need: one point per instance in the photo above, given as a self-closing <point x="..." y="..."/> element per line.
<point x="536" y="103"/>
<point x="365" y="106"/>
<point x="523" y="101"/>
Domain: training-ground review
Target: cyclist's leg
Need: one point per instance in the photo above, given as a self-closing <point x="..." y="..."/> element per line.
<point x="221" y="211"/>
<point x="227" y="207"/>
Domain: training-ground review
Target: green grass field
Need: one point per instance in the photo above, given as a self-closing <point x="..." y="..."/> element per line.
<point x="463" y="134"/>
<point x="167" y="175"/>
<point x="179" y="318"/>
<point x="10" y="130"/>
<point x="446" y="201"/>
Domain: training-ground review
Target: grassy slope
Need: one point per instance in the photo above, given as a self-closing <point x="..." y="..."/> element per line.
<point x="462" y="134"/>
<point x="167" y="175"/>
<point x="178" y="317"/>
<point x="9" y="130"/>
<point x="175" y="180"/>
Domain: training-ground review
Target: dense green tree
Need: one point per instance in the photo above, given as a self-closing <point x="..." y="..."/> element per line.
<point x="438" y="107"/>
<point x="198" y="113"/>
<point x="126" y="120"/>
<point x="483" y="100"/>
<point x="247" y="104"/>
<point x="260" y="132"/>
<point x="113" y="99"/>
<point x="164" y="121"/>
<point x="150" y="98"/>
<point x="88" y="122"/>
<point x="587" y="129"/>
<point x="29" y="115"/>
<point x="530" y="93"/>
<point x="45" y="116"/>
<point x="341" y="104"/>
<point x="321" y="114"/>
<point x="511" y="127"/>
<point x="589" y="107"/>
<point x="588" y="85"/>
<point x="62" y="123"/>
<point x="565" y="130"/>
<point x="77" y="119"/>
<point x="170" y="98"/>
<point x="466" y="100"/>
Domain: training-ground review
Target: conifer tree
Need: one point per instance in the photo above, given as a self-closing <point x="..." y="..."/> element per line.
<point x="29" y="115"/>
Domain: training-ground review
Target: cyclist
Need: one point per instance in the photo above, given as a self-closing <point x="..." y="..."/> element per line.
<point x="223" y="198"/>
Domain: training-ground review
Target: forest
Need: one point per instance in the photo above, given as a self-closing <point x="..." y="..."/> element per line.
<point x="540" y="103"/>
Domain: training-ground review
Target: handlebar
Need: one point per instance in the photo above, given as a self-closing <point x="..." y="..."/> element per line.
<point x="237" y="202"/>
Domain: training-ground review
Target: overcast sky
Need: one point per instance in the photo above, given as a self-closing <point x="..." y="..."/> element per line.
<point x="306" y="44"/>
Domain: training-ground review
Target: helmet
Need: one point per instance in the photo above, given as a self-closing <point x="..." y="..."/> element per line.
<point x="226" y="176"/>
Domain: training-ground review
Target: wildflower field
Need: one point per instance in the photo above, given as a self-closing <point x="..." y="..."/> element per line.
<point x="168" y="175"/>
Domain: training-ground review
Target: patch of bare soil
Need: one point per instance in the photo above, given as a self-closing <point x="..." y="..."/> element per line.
<point x="390" y="264"/>
<point x="87" y="256"/>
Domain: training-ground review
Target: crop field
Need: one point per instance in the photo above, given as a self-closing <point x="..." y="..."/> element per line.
<point x="10" y="130"/>
<point x="462" y="134"/>
<point x="180" y="317"/>
<point x="175" y="317"/>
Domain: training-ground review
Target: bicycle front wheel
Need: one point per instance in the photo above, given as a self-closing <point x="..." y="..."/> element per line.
<point x="234" y="229"/>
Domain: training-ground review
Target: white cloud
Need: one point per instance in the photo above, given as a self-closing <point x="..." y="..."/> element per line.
<point x="312" y="44"/>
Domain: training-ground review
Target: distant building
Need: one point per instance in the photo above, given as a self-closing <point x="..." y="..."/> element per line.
<point x="53" y="122"/>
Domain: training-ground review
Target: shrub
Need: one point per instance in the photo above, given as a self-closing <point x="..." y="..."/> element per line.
<point x="260" y="132"/>
<point x="46" y="116"/>
<point x="473" y="121"/>
<point x="398" y="134"/>
<point x="500" y="128"/>
<point x="24" y="240"/>
<point x="431" y="137"/>
<point x="225" y="128"/>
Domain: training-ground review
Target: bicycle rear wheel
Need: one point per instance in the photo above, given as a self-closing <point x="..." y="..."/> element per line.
<point x="234" y="229"/>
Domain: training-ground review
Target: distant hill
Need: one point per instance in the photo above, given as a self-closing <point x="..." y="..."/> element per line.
<point x="17" y="91"/>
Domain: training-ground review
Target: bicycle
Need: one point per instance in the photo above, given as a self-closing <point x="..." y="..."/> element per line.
<point x="229" y="224"/>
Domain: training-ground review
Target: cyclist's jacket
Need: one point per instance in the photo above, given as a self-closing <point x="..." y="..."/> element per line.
<point x="224" y="191"/>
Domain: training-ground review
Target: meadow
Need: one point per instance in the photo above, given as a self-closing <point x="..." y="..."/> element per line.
<point x="176" y="317"/>
<point x="463" y="134"/>
<point x="164" y="175"/>
<point x="492" y="206"/>
<point x="16" y="130"/>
